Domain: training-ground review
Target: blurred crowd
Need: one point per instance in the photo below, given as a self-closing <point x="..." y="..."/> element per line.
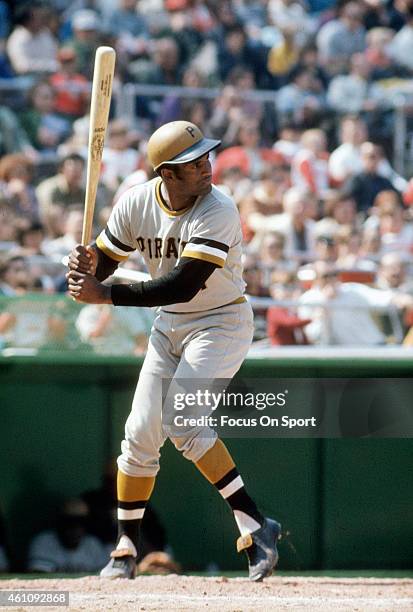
<point x="305" y="104"/>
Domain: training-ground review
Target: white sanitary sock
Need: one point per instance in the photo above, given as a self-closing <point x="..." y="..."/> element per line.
<point x="126" y="542"/>
<point x="246" y="524"/>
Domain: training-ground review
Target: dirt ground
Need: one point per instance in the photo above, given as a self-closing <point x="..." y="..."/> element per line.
<point x="225" y="594"/>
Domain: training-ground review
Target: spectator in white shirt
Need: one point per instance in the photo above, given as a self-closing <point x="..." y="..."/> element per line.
<point x="353" y="92"/>
<point x="288" y="143"/>
<point x="115" y="331"/>
<point x="68" y="548"/>
<point x="396" y="233"/>
<point x="119" y="159"/>
<point x="59" y="247"/>
<point x="291" y="14"/>
<point x="345" y="161"/>
<point x="392" y="274"/>
<point x="300" y="97"/>
<point x="340" y="38"/>
<point x="401" y="47"/>
<point x="294" y="223"/>
<point x="353" y="324"/>
<point x="31" y="46"/>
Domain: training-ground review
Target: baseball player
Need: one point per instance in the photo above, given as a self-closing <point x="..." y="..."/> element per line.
<point x="189" y="235"/>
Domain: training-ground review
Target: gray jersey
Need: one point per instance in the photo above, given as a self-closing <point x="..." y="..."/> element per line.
<point x="209" y="230"/>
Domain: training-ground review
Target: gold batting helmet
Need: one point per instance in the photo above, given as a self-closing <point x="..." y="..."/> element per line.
<point x="178" y="142"/>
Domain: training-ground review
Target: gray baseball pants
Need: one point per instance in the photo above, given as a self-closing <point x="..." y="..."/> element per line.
<point x="207" y="345"/>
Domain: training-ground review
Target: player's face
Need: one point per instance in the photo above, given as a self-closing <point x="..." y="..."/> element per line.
<point x="195" y="177"/>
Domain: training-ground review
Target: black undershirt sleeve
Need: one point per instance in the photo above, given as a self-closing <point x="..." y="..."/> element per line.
<point x="106" y="265"/>
<point x="180" y="285"/>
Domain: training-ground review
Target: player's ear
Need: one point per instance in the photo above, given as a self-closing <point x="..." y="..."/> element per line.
<point x="169" y="174"/>
<point x="166" y="174"/>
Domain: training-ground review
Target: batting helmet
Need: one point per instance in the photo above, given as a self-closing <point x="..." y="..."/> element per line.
<point x="178" y="142"/>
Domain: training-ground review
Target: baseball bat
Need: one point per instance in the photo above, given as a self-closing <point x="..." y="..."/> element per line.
<point x="99" y="113"/>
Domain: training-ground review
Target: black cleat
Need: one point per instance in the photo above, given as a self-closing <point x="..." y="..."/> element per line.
<point x="261" y="549"/>
<point x="122" y="564"/>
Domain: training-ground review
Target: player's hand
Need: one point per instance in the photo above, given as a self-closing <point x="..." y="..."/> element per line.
<point x="85" y="288"/>
<point x="83" y="259"/>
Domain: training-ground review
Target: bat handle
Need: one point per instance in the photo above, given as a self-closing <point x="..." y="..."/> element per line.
<point x="86" y="233"/>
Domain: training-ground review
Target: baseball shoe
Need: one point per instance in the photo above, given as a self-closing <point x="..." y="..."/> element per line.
<point x="122" y="564"/>
<point x="261" y="549"/>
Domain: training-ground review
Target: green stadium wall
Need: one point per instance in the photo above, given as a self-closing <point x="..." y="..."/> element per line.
<point x="343" y="503"/>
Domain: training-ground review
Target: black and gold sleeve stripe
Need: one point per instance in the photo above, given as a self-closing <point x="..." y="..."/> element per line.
<point x="112" y="246"/>
<point x="206" y="250"/>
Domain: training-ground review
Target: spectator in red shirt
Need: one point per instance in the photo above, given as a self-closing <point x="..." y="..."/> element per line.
<point x="71" y="88"/>
<point x="284" y="326"/>
<point x="309" y="168"/>
<point x="249" y="156"/>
